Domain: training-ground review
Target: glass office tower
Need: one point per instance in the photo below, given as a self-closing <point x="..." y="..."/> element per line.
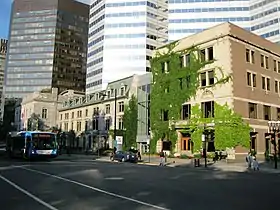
<point x="48" y="46"/>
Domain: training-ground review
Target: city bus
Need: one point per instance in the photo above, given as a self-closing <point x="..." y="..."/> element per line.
<point x="32" y="144"/>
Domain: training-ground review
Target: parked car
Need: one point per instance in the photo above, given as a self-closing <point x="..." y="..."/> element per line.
<point x="123" y="156"/>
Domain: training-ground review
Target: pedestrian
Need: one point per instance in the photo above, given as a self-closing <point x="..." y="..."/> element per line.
<point x="249" y="160"/>
<point x="255" y="164"/>
<point x="161" y="156"/>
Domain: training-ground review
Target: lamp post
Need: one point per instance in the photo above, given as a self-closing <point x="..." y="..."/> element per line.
<point x="274" y="128"/>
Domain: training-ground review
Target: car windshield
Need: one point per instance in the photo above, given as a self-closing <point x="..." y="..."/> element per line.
<point x="44" y="141"/>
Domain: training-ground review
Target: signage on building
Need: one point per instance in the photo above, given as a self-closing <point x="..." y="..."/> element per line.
<point x="119" y="140"/>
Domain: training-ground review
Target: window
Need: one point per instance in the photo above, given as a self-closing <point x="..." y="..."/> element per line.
<point x="86" y="112"/>
<point x="268" y="84"/>
<point x="66" y="126"/>
<point x="266" y="62"/>
<point x="107" y="124"/>
<point x="44" y="113"/>
<point x="66" y="116"/>
<point x="79" y="126"/>
<point x="278" y="113"/>
<point x="72" y="115"/>
<point x="108" y="94"/>
<point x="253" y="113"/>
<point x="165" y="116"/>
<point x="121" y="124"/>
<point x="278" y="65"/>
<point x="182" y="62"/>
<point x="266" y="112"/>
<point x="107" y="109"/>
<point x="276" y="86"/>
<point x="122" y="91"/>
<point x="95" y="124"/>
<point x="211" y="78"/>
<point x="72" y="126"/>
<point x="203" y="79"/>
<point x="249" y="81"/>
<point x="167" y="67"/>
<point x="79" y="113"/>
<point x="207" y="109"/>
<point x="254" y="77"/>
<point x="262" y="60"/>
<point x="252" y="56"/>
<point x="247" y="55"/>
<point x="202" y="55"/>
<point x="121" y="106"/>
<point x="188" y="59"/>
<point x="186" y="112"/>
<point x="210" y="53"/>
<point x="188" y="80"/>
<point x="162" y="67"/>
<point x="263" y="83"/>
<point x="275" y="65"/>
<point x="60" y="116"/>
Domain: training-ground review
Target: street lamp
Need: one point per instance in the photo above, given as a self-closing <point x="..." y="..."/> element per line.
<point x="274" y="128"/>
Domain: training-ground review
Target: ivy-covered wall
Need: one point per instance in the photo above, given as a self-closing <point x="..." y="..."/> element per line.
<point x="172" y="88"/>
<point x="230" y="129"/>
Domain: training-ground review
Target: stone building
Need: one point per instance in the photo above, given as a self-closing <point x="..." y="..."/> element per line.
<point x="254" y="91"/>
<point x="43" y="106"/>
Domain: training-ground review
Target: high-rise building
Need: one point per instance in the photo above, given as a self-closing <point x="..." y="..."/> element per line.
<point x="122" y="36"/>
<point x="47" y="47"/>
<point x="187" y="17"/>
<point x="3" y="52"/>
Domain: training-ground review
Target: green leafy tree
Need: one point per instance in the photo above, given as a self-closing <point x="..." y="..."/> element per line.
<point x="170" y="90"/>
<point x="130" y="121"/>
<point x="230" y="129"/>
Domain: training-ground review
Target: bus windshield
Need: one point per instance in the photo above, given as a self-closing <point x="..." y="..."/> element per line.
<point x="43" y="141"/>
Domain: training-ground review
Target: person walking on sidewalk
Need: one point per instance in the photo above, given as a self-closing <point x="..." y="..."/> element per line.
<point x="161" y="156"/>
<point x="249" y="160"/>
<point x="255" y="164"/>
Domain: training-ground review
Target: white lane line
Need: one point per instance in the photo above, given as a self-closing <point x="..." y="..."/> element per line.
<point x="28" y="194"/>
<point x="97" y="189"/>
<point x="12" y="167"/>
<point x="114" y="178"/>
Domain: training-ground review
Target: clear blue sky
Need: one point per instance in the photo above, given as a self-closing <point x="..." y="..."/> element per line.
<point x="5" y="10"/>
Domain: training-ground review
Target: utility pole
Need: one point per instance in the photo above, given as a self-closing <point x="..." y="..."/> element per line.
<point x="115" y="116"/>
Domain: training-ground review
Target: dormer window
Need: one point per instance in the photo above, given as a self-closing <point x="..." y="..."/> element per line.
<point x="109" y="94"/>
<point x="122" y="91"/>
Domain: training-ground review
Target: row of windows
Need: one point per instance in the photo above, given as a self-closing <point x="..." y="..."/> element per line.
<point x="196" y="1"/>
<point x="30" y="43"/>
<point x="127" y="4"/>
<point x="94" y="42"/>
<point x="97" y="11"/>
<point x="117" y="36"/>
<point x="32" y="50"/>
<point x="130" y="46"/>
<point x="31" y="62"/>
<point x="95" y="83"/>
<point x="28" y="82"/>
<point x="269" y="34"/>
<point x="121" y="25"/>
<point x="33" y="31"/>
<point x="30" y="56"/>
<point x="185" y="31"/>
<point x="263" y="25"/>
<point x="29" y="76"/>
<point x="203" y="20"/>
<point x="96" y="31"/>
<point x="33" y="25"/>
<point x="98" y="50"/>
<point x="96" y="61"/>
<point x="34" y="19"/>
<point x="126" y="14"/>
<point x="32" y="37"/>
<point x="30" y="68"/>
<point x="96" y="72"/>
<point x="215" y="9"/>
<point x="96" y="21"/>
<point x="261" y="4"/>
<point x="35" y="12"/>
<point x="265" y="13"/>
<point x="253" y="111"/>
<point x="21" y="90"/>
<point x="95" y="3"/>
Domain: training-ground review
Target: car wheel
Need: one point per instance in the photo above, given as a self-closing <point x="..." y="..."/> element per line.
<point x="123" y="159"/>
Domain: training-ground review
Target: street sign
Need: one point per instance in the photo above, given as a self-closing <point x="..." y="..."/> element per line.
<point x="119" y="140"/>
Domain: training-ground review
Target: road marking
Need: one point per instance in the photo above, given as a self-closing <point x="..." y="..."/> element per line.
<point x="114" y="178"/>
<point x="28" y="193"/>
<point x="11" y="167"/>
<point x="96" y="189"/>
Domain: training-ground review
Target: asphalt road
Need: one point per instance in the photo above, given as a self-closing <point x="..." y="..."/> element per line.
<point x="93" y="185"/>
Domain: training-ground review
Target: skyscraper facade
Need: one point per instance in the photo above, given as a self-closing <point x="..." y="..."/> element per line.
<point x="187" y="17"/>
<point x="3" y="52"/>
<point x="48" y="46"/>
<point x="122" y="36"/>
